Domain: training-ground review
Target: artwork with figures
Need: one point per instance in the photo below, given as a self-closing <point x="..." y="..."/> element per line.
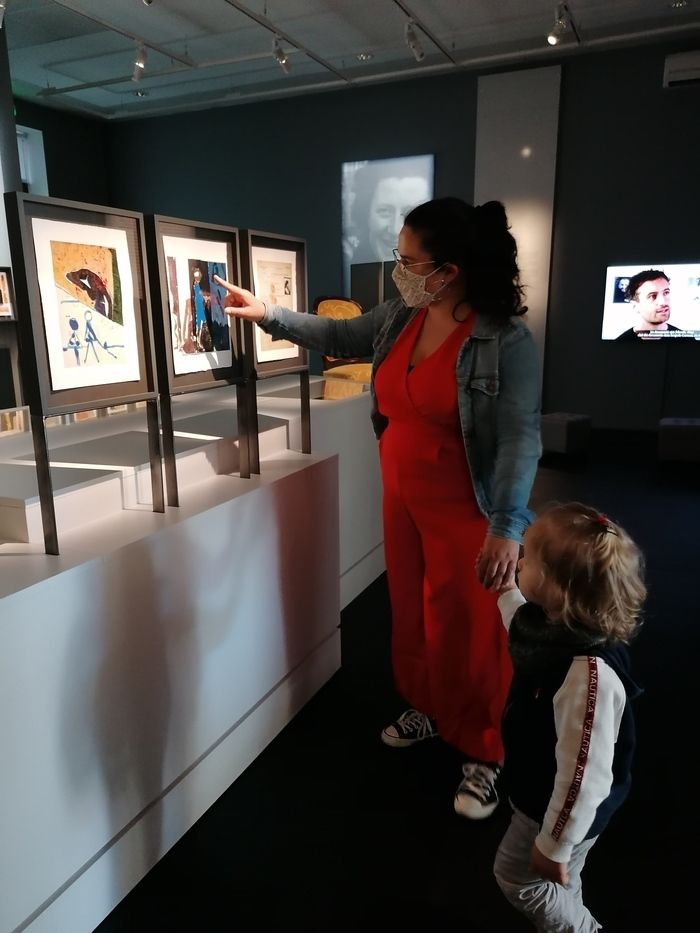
<point x="7" y="301"/>
<point x="275" y="282"/>
<point x="199" y="327"/>
<point x="376" y="196"/>
<point x="87" y="297"/>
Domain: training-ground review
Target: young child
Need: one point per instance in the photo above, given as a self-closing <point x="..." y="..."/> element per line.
<point x="568" y="728"/>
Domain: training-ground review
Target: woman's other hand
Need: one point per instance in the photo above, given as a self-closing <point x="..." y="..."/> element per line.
<point x="496" y="563"/>
<point x="241" y="303"/>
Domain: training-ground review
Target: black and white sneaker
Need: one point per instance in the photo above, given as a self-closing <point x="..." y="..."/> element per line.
<point x="476" y="796"/>
<point x="411" y="727"/>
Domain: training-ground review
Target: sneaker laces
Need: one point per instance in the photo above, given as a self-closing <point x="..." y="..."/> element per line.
<point x="415" y="721"/>
<point x="479" y="780"/>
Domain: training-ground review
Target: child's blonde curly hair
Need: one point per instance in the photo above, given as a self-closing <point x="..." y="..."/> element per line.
<point x="595" y="567"/>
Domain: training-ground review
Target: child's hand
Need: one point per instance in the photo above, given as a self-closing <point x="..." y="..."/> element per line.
<point x="558" y="872"/>
<point x="506" y="587"/>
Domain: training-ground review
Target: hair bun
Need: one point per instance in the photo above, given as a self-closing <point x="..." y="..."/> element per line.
<point x="492" y="214"/>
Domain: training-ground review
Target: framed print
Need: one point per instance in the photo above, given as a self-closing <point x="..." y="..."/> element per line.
<point x="87" y="301"/>
<point x="80" y="272"/>
<point x="274" y="269"/>
<point x="84" y="322"/>
<point x="197" y="345"/>
<point x="376" y="195"/>
<point x="7" y="295"/>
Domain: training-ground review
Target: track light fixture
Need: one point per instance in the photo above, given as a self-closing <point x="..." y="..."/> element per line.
<point x="280" y="55"/>
<point x="413" y="42"/>
<point x="139" y="63"/>
<point x="563" y="22"/>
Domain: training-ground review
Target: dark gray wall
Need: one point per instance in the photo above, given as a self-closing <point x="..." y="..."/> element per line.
<point x="627" y="191"/>
<point x="276" y="166"/>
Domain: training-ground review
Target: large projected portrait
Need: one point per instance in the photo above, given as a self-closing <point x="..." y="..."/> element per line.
<point x="199" y="327"/>
<point x="376" y="196"/>
<point x="87" y="298"/>
<point x="653" y="302"/>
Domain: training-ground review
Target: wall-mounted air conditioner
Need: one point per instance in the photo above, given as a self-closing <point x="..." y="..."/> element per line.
<point x="681" y="69"/>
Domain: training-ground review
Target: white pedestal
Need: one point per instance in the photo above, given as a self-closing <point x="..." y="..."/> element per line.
<point x="144" y="668"/>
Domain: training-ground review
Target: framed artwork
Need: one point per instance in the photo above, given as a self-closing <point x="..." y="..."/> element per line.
<point x="80" y="272"/>
<point x="7" y="296"/>
<point x="274" y="269"/>
<point x="197" y="345"/>
<point x="84" y="326"/>
<point x="376" y="195"/>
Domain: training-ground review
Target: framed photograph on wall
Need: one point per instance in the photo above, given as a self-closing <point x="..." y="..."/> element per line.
<point x="198" y="346"/>
<point x="88" y="324"/>
<point x="7" y="295"/>
<point x="274" y="269"/>
<point x="376" y="195"/>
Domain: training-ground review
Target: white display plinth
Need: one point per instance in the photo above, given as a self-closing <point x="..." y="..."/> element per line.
<point x="100" y="467"/>
<point x="144" y="668"/>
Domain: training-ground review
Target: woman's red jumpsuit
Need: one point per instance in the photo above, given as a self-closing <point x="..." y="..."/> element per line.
<point x="449" y="646"/>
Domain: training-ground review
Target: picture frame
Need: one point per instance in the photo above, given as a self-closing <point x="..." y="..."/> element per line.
<point x="81" y="285"/>
<point x="197" y="345"/>
<point x="273" y="267"/>
<point x="7" y="295"/>
<point x="84" y="323"/>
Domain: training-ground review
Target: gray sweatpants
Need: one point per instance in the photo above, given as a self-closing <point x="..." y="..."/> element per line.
<point x="552" y="908"/>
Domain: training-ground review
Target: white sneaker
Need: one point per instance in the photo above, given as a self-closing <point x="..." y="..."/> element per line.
<point x="476" y="796"/>
<point x="411" y="727"/>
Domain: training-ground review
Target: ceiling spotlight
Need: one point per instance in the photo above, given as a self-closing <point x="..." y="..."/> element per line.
<point x="141" y="92"/>
<point x="3" y="6"/>
<point x="413" y="42"/>
<point x="364" y="56"/>
<point x="563" y="21"/>
<point x="559" y="27"/>
<point x="280" y="55"/>
<point x="139" y="63"/>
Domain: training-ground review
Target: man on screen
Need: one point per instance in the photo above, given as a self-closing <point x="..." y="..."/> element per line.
<point x="649" y="293"/>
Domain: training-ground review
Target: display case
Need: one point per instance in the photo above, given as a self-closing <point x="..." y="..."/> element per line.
<point x="83" y="315"/>
<point x="273" y="267"/>
<point x="198" y="346"/>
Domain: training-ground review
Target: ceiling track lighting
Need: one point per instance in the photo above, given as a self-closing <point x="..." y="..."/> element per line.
<point x="280" y="55"/>
<point x="139" y="63"/>
<point x="563" y="23"/>
<point x="412" y="41"/>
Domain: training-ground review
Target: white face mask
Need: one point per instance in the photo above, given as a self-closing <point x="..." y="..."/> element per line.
<point x="412" y="288"/>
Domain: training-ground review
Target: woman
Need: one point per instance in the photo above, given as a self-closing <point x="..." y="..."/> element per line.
<point x="456" y="409"/>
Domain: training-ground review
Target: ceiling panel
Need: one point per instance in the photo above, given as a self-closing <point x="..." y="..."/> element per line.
<point x="79" y="54"/>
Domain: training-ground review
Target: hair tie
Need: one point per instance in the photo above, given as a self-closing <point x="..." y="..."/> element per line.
<point x="605" y="522"/>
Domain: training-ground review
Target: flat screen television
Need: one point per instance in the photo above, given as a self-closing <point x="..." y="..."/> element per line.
<point x="652" y="303"/>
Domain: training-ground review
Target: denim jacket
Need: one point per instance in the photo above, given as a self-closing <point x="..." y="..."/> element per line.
<point x="497" y="389"/>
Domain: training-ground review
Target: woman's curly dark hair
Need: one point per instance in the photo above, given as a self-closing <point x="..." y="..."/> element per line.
<point x="478" y="240"/>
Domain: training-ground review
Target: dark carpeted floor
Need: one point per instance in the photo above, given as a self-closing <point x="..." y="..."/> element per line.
<point x="329" y="830"/>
